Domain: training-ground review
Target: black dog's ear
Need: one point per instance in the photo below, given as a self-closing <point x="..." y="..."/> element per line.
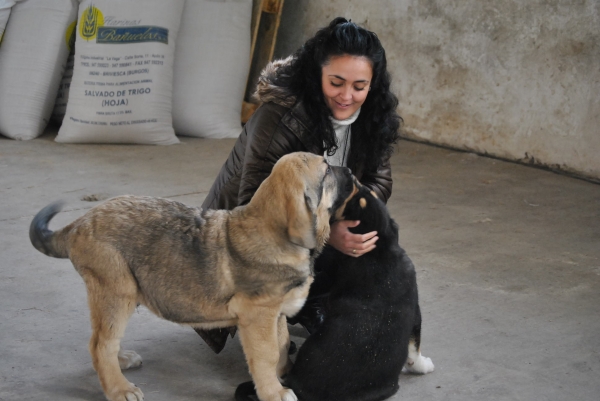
<point x="353" y="208"/>
<point x="370" y="210"/>
<point x="362" y="205"/>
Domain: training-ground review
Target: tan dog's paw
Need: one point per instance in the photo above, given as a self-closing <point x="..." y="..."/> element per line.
<point x="288" y="395"/>
<point x="285" y="394"/>
<point x="129" y="359"/>
<point x="130" y="393"/>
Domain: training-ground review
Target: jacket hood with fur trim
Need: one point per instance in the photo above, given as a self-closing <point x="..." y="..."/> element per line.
<point x="268" y="91"/>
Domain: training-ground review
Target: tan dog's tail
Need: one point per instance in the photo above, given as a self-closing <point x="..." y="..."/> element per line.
<point x="42" y="238"/>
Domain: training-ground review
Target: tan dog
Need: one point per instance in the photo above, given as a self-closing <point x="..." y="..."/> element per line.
<point x="249" y="267"/>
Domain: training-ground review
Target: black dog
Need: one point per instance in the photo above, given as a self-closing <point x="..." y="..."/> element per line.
<point x="372" y="324"/>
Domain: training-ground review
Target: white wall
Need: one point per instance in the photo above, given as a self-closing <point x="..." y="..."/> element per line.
<point x="514" y="79"/>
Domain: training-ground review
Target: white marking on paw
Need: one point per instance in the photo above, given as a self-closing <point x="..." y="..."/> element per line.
<point x="288" y="395"/>
<point x="420" y="365"/>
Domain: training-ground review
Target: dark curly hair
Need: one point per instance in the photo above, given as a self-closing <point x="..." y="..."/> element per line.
<point x="378" y="118"/>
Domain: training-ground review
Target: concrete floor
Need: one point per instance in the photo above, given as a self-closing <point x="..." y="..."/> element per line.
<point x="508" y="261"/>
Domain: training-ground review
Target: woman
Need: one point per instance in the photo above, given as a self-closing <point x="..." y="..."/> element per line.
<point x="333" y="98"/>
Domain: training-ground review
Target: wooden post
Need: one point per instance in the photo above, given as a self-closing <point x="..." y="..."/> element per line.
<point x="266" y="16"/>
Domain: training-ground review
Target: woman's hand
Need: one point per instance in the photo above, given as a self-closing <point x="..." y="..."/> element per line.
<point x="351" y="244"/>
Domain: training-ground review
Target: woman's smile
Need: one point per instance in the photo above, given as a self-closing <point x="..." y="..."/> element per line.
<point x="345" y="81"/>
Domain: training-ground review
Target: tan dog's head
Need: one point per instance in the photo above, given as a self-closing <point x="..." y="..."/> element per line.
<point x="302" y="194"/>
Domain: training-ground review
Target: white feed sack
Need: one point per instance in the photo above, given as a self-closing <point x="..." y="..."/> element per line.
<point x="211" y="68"/>
<point x="62" y="97"/>
<point x="121" y="90"/>
<point x="5" y="6"/>
<point x="33" y="55"/>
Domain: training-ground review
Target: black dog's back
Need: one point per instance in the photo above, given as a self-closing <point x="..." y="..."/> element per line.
<point x="371" y="312"/>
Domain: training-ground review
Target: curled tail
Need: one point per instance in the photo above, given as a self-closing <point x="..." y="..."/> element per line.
<point x="42" y="238"/>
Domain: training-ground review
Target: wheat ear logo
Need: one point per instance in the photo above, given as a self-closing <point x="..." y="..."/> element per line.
<point x="91" y="20"/>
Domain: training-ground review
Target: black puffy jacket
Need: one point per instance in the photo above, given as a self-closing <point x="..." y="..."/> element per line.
<point x="278" y="127"/>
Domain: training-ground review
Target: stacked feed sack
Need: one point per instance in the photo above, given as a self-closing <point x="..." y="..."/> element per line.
<point x="33" y="57"/>
<point x="211" y="68"/>
<point x="121" y="89"/>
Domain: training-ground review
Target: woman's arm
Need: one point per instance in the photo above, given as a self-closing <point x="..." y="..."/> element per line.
<point x="268" y="140"/>
<point x="379" y="181"/>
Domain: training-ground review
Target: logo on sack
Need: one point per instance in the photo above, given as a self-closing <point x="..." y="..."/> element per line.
<point x="132" y="34"/>
<point x="91" y="20"/>
<point x="92" y="27"/>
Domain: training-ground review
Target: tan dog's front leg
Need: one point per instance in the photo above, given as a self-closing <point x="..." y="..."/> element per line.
<point x="283" y="337"/>
<point x="258" y="328"/>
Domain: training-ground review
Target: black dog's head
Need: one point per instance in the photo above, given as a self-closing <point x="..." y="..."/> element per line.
<point x="372" y="213"/>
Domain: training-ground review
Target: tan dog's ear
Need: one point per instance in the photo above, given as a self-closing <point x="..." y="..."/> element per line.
<point x="301" y="221"/>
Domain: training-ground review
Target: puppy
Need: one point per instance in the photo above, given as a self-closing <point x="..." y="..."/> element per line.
<point x="250" y="267"/>
<point x="372" y="324"/>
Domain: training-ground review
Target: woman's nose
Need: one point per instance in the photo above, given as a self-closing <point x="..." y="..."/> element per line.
<point x="346" y="93"/>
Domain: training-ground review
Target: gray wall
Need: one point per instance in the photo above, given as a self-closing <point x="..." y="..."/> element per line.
<point x="518" y="80"/>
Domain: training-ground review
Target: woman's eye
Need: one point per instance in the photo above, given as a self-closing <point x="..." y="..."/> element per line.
<point x="359" y="89"/>
<point x="336" y="85"/>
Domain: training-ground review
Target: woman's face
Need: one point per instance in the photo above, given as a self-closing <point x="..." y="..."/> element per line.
<point x="345" y="81"/>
